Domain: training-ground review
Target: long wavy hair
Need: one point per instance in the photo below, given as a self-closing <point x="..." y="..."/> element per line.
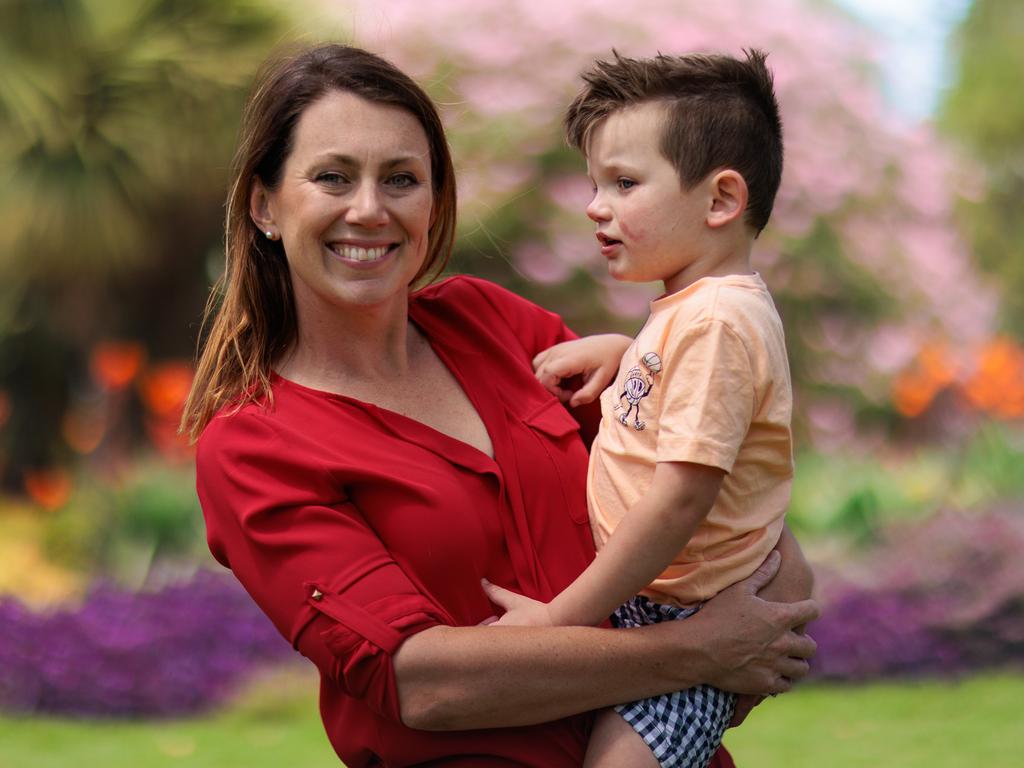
<point x="250" y="315"/>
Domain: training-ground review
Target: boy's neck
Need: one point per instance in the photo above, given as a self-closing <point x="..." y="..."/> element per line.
<point x="732" y="261"/>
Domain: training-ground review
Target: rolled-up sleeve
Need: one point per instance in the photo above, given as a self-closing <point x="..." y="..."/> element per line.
<point x="284" y="526"/>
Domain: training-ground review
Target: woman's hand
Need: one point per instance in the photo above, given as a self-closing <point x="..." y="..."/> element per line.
<point x="594" y="358"/>
<point x="793" y="582"/>
<point x="758" y="650"/>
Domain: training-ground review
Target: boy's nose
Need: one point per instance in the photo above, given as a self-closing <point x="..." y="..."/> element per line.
<point x="597" y="210"/>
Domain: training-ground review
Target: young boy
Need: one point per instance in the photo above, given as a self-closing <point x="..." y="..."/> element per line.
<point x="690" y="474"/>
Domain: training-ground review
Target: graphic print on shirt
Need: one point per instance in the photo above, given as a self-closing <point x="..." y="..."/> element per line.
<point x="636" y="387"/>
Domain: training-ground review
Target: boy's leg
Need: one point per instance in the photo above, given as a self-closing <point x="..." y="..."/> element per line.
<point x="614" y="744"/>
<point x="681" y="729"/>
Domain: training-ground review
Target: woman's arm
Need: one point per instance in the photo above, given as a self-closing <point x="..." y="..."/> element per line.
<point x="478" y="677"/>
<point x="795" y="579"/>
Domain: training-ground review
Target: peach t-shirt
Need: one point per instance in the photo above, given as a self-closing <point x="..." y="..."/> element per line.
<point x="706" y="381"/>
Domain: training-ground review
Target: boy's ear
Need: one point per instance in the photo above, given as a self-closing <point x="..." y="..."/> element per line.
<point x="728" y="190"/>
<point x="259" y="206"/>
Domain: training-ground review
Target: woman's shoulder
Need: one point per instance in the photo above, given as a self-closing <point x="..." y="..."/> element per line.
<point x="234" y="428"/>
<point x="481" y="301"/>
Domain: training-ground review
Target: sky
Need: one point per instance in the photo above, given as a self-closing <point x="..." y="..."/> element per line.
<point x="914" y="33"/>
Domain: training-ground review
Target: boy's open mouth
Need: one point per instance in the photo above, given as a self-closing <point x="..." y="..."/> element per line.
<point x="603" y="239"/>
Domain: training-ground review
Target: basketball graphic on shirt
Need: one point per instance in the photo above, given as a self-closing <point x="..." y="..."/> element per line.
<point x="651" y="362"/>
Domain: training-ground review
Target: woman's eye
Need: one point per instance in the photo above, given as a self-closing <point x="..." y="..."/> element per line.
<point x="331" y="177"/>
<point x="403" y="180"/>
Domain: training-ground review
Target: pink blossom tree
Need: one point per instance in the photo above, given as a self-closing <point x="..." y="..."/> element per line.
<point x="862" y="252"/>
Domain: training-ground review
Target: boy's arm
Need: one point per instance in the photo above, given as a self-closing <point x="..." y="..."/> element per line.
<point x="594" y="358"/>
<point x="645" y="542"/>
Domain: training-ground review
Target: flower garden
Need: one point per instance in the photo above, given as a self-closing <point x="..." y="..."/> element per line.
<point x="121" y="642"/>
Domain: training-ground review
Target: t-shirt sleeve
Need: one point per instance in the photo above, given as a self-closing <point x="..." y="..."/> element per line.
<point x="308" y="558"/>
<point x="707" y="400"/>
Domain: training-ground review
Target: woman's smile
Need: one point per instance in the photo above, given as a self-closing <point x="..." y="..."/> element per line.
<point x="362" y="255"/>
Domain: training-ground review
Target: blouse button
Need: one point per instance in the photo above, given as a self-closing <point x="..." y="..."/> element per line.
<point x="317" y="595"/>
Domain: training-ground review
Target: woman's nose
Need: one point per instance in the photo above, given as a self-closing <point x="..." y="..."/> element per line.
<point x="367" y="207"/>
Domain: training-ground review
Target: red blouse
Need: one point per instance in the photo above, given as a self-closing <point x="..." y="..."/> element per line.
<point x="354" y="527"/>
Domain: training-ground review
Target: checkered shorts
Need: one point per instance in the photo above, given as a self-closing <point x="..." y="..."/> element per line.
<point x="683" y="729"/>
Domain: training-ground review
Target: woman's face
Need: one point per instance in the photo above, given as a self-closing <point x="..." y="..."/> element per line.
<point x="353" y="206"/>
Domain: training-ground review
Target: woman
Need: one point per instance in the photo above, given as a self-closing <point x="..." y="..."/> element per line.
<point x="369" y="454"/>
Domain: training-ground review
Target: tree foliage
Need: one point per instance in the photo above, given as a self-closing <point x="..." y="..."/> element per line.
<point x="985" y="110"/>
<point x="116" y="123"/>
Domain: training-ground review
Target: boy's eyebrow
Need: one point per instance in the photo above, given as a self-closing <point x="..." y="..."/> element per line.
<point x="616" y="167"/>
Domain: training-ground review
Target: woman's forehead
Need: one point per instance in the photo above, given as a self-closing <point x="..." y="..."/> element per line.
<point x="344" y="124"/>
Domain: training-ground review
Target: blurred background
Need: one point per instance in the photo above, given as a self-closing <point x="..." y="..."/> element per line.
<point x="895" y="253"/>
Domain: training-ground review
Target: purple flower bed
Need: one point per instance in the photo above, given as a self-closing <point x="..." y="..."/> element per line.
<point x="937" y="598"/>
<point x="940" y="598"/>
<point x="123" y="654"/>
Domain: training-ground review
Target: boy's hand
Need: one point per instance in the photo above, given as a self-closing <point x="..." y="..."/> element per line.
<point x="595" y="358"/>
<point x="520" y="611"/>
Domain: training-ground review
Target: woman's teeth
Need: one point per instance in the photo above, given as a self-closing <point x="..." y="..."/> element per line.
<point x="355" y="253"/>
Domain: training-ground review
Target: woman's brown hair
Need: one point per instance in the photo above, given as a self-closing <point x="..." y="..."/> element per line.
<point x="251" y="310"/>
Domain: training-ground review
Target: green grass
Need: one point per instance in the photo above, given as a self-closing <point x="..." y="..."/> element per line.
<point x="977" y="722"/>
<point x="274" y="723"/>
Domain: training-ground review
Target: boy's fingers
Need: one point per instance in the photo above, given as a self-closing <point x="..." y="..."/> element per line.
<point x="586" y="393"/>
<point x="499" y="595"/>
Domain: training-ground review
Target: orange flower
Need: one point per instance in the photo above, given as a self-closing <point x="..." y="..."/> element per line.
<point x="934" y="362"/>
<point x="83" y="429"/>
<point x="49" y="488"/>
<point x="932" y="371"/>
<point x="912" y="393"/>
<point x="115" y="364"/>
<point x="165" y="387"/>
<point x="997" y="383"/>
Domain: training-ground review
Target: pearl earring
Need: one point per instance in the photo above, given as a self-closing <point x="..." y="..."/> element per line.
<point x="271" y="235"/>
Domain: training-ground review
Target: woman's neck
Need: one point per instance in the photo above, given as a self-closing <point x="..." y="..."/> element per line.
<point x="336" y="349"/>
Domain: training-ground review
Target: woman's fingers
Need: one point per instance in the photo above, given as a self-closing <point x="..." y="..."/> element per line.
<point x="799" y="646"/>
<point x="765" y="572"/>
<point x="797" y="614"/>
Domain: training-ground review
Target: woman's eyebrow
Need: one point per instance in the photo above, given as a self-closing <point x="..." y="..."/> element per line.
<point x="353" y="162"/>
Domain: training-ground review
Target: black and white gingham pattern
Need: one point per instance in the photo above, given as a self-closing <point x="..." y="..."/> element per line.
<point x="683" y="729"/>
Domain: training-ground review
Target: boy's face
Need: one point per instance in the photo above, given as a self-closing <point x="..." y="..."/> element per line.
<point x="648" y="226"/>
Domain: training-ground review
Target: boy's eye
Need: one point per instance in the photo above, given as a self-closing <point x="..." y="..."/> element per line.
<point x="626" y="184"/>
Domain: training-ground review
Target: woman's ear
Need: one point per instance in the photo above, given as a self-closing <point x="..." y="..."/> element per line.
<point x="260" y="209"/>
<point x="728" y="198"/>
